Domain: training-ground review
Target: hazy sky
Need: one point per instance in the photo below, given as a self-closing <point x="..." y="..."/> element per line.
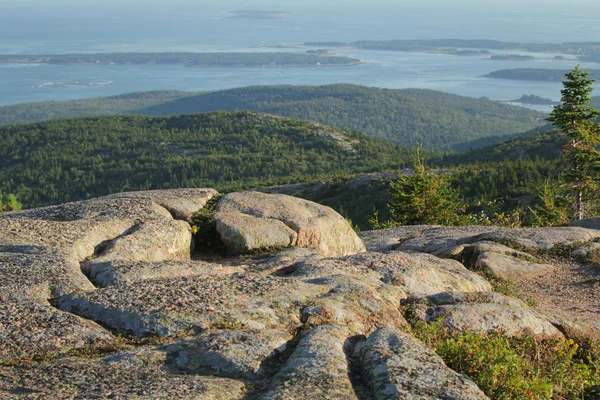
<point x="530" y="20"/>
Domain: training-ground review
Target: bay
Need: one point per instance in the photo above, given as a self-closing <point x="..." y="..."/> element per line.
<point x="202" y="27"/>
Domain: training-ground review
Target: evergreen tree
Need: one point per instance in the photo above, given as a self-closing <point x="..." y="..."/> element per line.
<point x="10" y="203"/>
<point x="577" y="120"/>
<point x="423" y="198"/>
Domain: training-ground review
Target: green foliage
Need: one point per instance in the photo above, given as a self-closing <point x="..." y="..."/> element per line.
<point x="204" y="227"/>
<point x="9" y="203"/>
<point x="575" y="118"/>
<point x="555" y="209"/>
<point x="531" y="146"/>
<point x="66" y="160"/>
<point x="423" y="198"/>
<point x="517" y="368"/>
<point x="443" y="121"/>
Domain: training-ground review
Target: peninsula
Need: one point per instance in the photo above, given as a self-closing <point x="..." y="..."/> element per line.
<point x="232" y="59"/>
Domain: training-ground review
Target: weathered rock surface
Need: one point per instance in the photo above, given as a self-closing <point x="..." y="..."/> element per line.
<point x="244" y="233"/>
<point x="483" y="312"/>
<point x="486" y="246"/>
<point x="511" y="268"/>
<point x="397" y="366"/>
<point x="318" y="368"/>
<point x="321" y="318"/>
<point x="543" y="239"/>
<point x="228" y="354"/>
<point x="114" y="377"/>
<point x="168" y="240"/>
<point x="253" y="220"/>
<point x="441" y="239"/>
<point x="384" y="240"/>
<point x="30" y="330"/>
<point x="416" y="273"/>
<point x="181" y="203"/>
<point x="166" y="307"/>
<point x="111" y="273"/>
<point x="37" y="273"/>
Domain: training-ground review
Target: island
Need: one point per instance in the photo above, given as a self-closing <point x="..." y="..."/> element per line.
<point x="535" y="74"/>
<point x="584" y="51"/>
<point x="259" y="14"/>
<point x="195" y="60"/>
<point x="511" y="57"/>
<point x="535" y="100"/>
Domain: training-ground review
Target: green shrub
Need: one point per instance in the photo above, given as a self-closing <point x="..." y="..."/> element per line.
<point x="10" y="203"/>
<point x="517" y="368"/>
<point x="204" y="227"/>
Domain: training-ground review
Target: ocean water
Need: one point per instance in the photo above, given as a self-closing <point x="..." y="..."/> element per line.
<point x="36" y="27"/>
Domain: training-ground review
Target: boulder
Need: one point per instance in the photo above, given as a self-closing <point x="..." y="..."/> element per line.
<point x="181" y="203"/>
<point x="149" y="241"/>
<point x="253" y="220"/>
<point x="415" y="273"/>
<point x="511" y="268"/>
<point x="486" y="246"/>
<point x="398" y="366"/>
<point x="243" y="233"/>
<point x="483" y="312"/>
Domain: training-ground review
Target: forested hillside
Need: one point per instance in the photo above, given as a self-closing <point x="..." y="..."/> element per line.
<point x="71" y="159"/>
<point x="442" y="121"/>
<point x="545" y="144"/>
<point x="510" y="174"/>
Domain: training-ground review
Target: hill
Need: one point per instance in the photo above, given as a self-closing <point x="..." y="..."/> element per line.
<point x="71" y="159"/>
<point x="545" y="144"/>
<point x="442" y="121"/>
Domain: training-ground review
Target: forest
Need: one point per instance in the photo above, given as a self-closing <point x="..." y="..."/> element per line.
<point x="72" y="159"/>
<point x="442" y="121"/>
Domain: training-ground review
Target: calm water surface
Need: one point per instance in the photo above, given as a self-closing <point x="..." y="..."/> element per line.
<point x="201" y="27"/>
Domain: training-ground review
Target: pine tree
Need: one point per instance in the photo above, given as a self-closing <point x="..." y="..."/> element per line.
<point x="10" y="203"/>
<point x="577" y="119"/>
<point x="423" y="198"/>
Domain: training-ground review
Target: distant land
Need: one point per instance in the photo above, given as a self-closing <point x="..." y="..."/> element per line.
<point x="584" y="51"/>
<point x="533" y="99"/>
<point x="259" y="14"/>
<point x="197" y="60"/>
<point x="511" y="57"/>
<point x="442" y="121"/>
<point x="535" y="74"/>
